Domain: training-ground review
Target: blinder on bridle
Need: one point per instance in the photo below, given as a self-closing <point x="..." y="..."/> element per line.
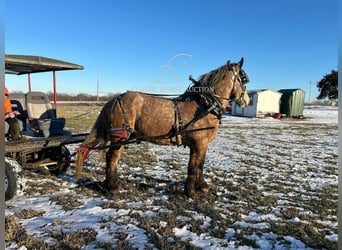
<point x="243" y="80"/>
<point x="244" y="77"/>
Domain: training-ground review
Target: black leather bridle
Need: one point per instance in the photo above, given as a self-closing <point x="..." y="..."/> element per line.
<point x="243" y="79"/>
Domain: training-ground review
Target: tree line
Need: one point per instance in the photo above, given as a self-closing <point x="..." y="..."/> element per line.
<point x="327" y="87"/>
<point x="82" y="97"/>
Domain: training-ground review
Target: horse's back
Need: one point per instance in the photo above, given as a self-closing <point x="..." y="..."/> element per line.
<point x="149" y="114"/>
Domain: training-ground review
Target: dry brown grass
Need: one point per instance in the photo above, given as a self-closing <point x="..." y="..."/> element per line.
<point x="79" y="118"/>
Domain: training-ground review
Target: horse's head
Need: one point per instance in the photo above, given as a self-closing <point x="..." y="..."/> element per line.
<point x="227" y="83"/>
<point x="239" y="80"/>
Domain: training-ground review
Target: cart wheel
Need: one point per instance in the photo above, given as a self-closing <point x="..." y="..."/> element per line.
<point x="64" y="163"/>
<point x="12" y="178"/>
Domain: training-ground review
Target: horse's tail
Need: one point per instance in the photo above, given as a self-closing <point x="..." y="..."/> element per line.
<point x="97" y="137"/>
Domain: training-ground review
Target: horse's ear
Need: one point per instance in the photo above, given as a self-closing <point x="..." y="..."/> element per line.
<point x="241" y="62"/>
<point x="228" y="63"/>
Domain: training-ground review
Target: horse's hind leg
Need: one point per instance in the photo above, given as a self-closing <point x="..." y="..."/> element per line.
<point x="112" y="158"/>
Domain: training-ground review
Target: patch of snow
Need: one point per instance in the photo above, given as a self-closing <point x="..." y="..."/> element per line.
<point x="255" y="154"/>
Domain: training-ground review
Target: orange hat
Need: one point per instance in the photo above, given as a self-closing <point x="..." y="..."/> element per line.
<point x="6" y="91"/>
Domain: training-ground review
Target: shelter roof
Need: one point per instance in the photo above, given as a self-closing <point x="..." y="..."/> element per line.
<point x="289" y="90"/>
<point x="254" y="91"/>
<point x="24" y="64"/>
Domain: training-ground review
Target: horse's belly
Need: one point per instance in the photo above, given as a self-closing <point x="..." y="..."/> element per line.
<point x="155" y="124"/>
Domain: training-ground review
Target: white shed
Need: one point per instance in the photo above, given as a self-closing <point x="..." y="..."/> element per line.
<point x="262" y="103"/>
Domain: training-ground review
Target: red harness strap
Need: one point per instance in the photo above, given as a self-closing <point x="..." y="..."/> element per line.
<point x="119" y="133"/>
<point x="85" y="150"/>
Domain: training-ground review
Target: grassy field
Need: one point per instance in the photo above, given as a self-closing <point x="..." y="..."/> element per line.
<point x="273" y="185"/>
<point x="79" y="118"/>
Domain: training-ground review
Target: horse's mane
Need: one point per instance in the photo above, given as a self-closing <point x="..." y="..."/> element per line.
<point x="207" y="81"/>
<point x="213" y="77"/>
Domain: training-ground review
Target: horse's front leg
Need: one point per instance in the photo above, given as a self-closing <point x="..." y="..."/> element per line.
<point x="201" y="184"/>
<point x="112" y="180"/>
<point x="195" y="180"/>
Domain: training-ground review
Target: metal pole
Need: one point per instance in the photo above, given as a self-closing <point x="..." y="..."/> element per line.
<point x="54" y="89"/>
<point x="29" y="82"/>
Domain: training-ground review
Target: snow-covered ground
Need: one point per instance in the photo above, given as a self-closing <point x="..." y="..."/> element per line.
<point x="273" y="186"/>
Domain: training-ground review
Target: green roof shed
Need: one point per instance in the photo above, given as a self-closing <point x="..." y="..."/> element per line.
<point x="292" y="102"/>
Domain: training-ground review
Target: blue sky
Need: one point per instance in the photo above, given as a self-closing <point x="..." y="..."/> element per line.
<point x="153" y="45"/>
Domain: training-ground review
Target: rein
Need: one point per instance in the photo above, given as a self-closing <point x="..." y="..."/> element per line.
<point x="139" y="139"/>
<point x="209" y="101"/>
<point x="128" y="135"/>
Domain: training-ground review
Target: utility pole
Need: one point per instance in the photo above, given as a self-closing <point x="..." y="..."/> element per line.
<point x="310" y="92"/>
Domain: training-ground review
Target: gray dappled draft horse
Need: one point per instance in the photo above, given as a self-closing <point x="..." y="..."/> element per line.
<point x="191" y="119"/>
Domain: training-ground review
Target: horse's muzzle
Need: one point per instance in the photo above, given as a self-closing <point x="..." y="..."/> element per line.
<point x="244" y="100"/>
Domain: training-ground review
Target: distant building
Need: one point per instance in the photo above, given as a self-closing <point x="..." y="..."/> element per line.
<point x="264" y="102"/>
<point x="292" y="102"/>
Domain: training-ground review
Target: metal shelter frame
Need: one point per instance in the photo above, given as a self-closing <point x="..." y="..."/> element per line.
<point x="27" y="64"/>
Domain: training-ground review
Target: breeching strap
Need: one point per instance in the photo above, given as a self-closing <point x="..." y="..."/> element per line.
<point x="177" y="128"/>
<point x="121" y="133"/>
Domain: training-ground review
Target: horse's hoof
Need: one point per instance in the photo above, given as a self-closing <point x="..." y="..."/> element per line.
<point x="202" y="187"/>
<point x="113" y="193"/>
<point x="114" y="190"/>
<point x="204" y="190"/>
<point x="190" y="194"/>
